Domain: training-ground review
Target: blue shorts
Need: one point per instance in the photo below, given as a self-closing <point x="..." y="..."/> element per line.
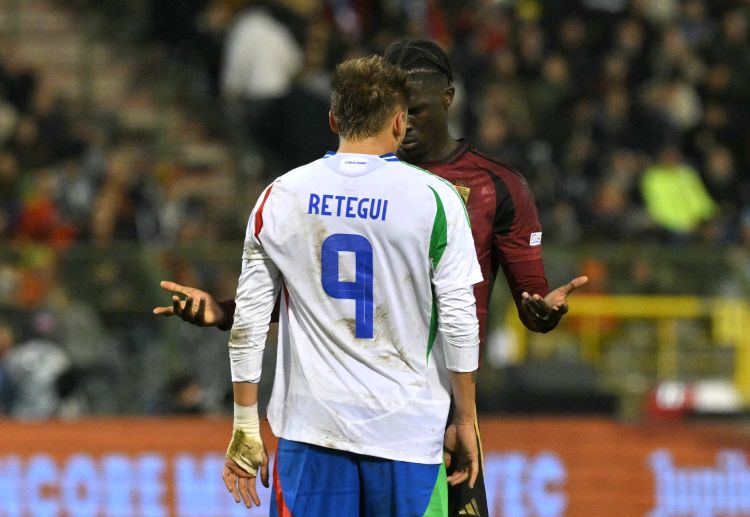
<point x="313" y="481"/>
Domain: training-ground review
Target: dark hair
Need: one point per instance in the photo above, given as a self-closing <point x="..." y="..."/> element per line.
<point x="418" y="56"/>
<point x="364" y="93"/>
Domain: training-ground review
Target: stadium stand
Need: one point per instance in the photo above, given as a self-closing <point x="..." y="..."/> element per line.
<point x="122" y="147"/>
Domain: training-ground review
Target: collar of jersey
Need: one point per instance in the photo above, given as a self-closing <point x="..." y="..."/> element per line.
<point x="389" y="157"/>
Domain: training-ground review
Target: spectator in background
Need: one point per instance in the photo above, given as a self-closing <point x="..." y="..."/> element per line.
<point x="7" y="388"/>
<point x="77" y="196"/>
<point x="613" y="211"/>
<point x="290" y="141"/>
<point x="550" y="92"/>
<point x="613" y="126"/>
<point x="730" y="192"/>
<point x="17" y="82"/>
<point x="127" y="204"/>
<point x="44" y="135"/>
<point x="630" y="41"/>
<point x="34" y="367"/>
<point x="96" y="364"/>
<point x="496" y="137"/>
<point x="8" y="119"/>
<point x="674" y="57"/>
<point x="10" y="193"/>
<point x="261" y="59"/>
<point x="733" y="41"/>
<point x="680" y="102"/>
<point x="574" y="45"/>
<point x="40" y="220"/>
<point x="695" y="24"/>
<point x="675" y="197"/>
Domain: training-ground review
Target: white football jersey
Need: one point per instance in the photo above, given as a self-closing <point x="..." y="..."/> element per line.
<point x="362" y="247"/>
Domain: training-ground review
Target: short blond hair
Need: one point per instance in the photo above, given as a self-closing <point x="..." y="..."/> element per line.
<point x="364" y="93"/>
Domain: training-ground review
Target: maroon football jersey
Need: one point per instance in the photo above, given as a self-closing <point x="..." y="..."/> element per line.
<point x="504" y="222"/>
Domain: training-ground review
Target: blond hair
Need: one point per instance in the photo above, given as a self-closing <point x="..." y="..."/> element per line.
<point x="364" y="93"/>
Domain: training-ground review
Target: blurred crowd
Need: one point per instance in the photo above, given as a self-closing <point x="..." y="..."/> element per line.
<point x="626" y="116"/>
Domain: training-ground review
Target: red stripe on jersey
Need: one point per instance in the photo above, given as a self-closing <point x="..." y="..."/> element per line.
<point x="280" y="503"/>
<point x="286" y="298"/>
<point x="259" y="213"/>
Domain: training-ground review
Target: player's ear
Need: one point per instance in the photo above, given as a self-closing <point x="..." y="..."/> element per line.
<point x="399" y="125"/>
<point x="332" y="123"/>
<point x="448" y="94"/>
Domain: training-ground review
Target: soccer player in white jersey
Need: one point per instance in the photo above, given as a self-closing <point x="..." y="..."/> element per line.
<point x="375" y="262"/>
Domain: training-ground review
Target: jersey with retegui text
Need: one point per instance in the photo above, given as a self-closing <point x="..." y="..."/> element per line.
<point x="504" y="222"/>
<point x="505" y="226"/>
<point x="363" y="249"/>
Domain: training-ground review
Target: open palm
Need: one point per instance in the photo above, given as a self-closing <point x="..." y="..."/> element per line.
<point x="555" y="304"/>
<point x="198" y="307"/>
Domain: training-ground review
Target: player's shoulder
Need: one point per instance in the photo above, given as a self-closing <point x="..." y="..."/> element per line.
<point x="419" y="175"/>
<point x="440" y="186"/>
<point x="303" y="174"/>
<point x="496" y="167"/>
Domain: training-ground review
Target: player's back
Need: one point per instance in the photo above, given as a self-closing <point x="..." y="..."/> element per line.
<point x="356" y="238"/>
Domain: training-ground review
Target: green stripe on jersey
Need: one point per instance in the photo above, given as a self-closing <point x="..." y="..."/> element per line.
<point x="433" y="326"/>
<point x="438" y="242"/>
<point x="439" y="237"/>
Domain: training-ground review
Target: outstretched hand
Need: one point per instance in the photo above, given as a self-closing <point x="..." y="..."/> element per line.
<point x="241" y="484"/>
<point x="198" y="307"/>
<point x="554" y="305"/>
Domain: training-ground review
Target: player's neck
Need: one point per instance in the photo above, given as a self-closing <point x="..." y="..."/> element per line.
<point x="377" y="145"/>
<point x="443" y="149"/>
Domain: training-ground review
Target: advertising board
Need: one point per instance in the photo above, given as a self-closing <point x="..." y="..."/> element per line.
<point x="534" y="467"/>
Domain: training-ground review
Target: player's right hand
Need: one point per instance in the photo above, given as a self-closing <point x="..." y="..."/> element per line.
<point x="197" y="307"/>
<point x="241" y="484"/>
<point x="465" y="455"/>
<point x="246" y="455"/>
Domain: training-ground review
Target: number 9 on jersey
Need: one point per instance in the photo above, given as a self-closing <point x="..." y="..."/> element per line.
<point x="361" y="289"/>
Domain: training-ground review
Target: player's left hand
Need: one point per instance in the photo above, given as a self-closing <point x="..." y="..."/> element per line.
<point x="461" y="445"/>
<point x="241" y="484"/>
<point x="553" y="306"/>
<point x="449" y="445"/>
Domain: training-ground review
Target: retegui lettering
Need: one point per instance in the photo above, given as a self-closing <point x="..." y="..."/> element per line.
<point x="348" y="206"/>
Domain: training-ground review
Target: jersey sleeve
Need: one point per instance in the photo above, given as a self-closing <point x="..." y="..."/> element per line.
<point x="259" y="284"/>
<point x="516" y="227"/>
<point x="455" y="269"/>
<point x="517" y="236"/>
<point x="452" y="253"/>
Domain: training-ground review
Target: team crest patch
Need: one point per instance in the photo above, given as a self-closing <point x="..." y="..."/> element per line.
<point x="464" y="191"/>
<point x="536" y="239"/>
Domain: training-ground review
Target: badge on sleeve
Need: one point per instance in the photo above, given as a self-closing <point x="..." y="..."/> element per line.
<point x="464" y="191"/>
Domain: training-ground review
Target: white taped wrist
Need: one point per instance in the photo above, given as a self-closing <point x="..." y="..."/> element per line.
<point x="246" y="448"/>
<point x="246" y="419"/>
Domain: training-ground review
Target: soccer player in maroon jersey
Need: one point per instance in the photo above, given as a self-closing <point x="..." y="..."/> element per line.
<point x="505" y="224"/>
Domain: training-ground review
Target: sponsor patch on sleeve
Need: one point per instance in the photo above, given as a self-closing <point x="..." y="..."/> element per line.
<point x="536" y="239"/>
